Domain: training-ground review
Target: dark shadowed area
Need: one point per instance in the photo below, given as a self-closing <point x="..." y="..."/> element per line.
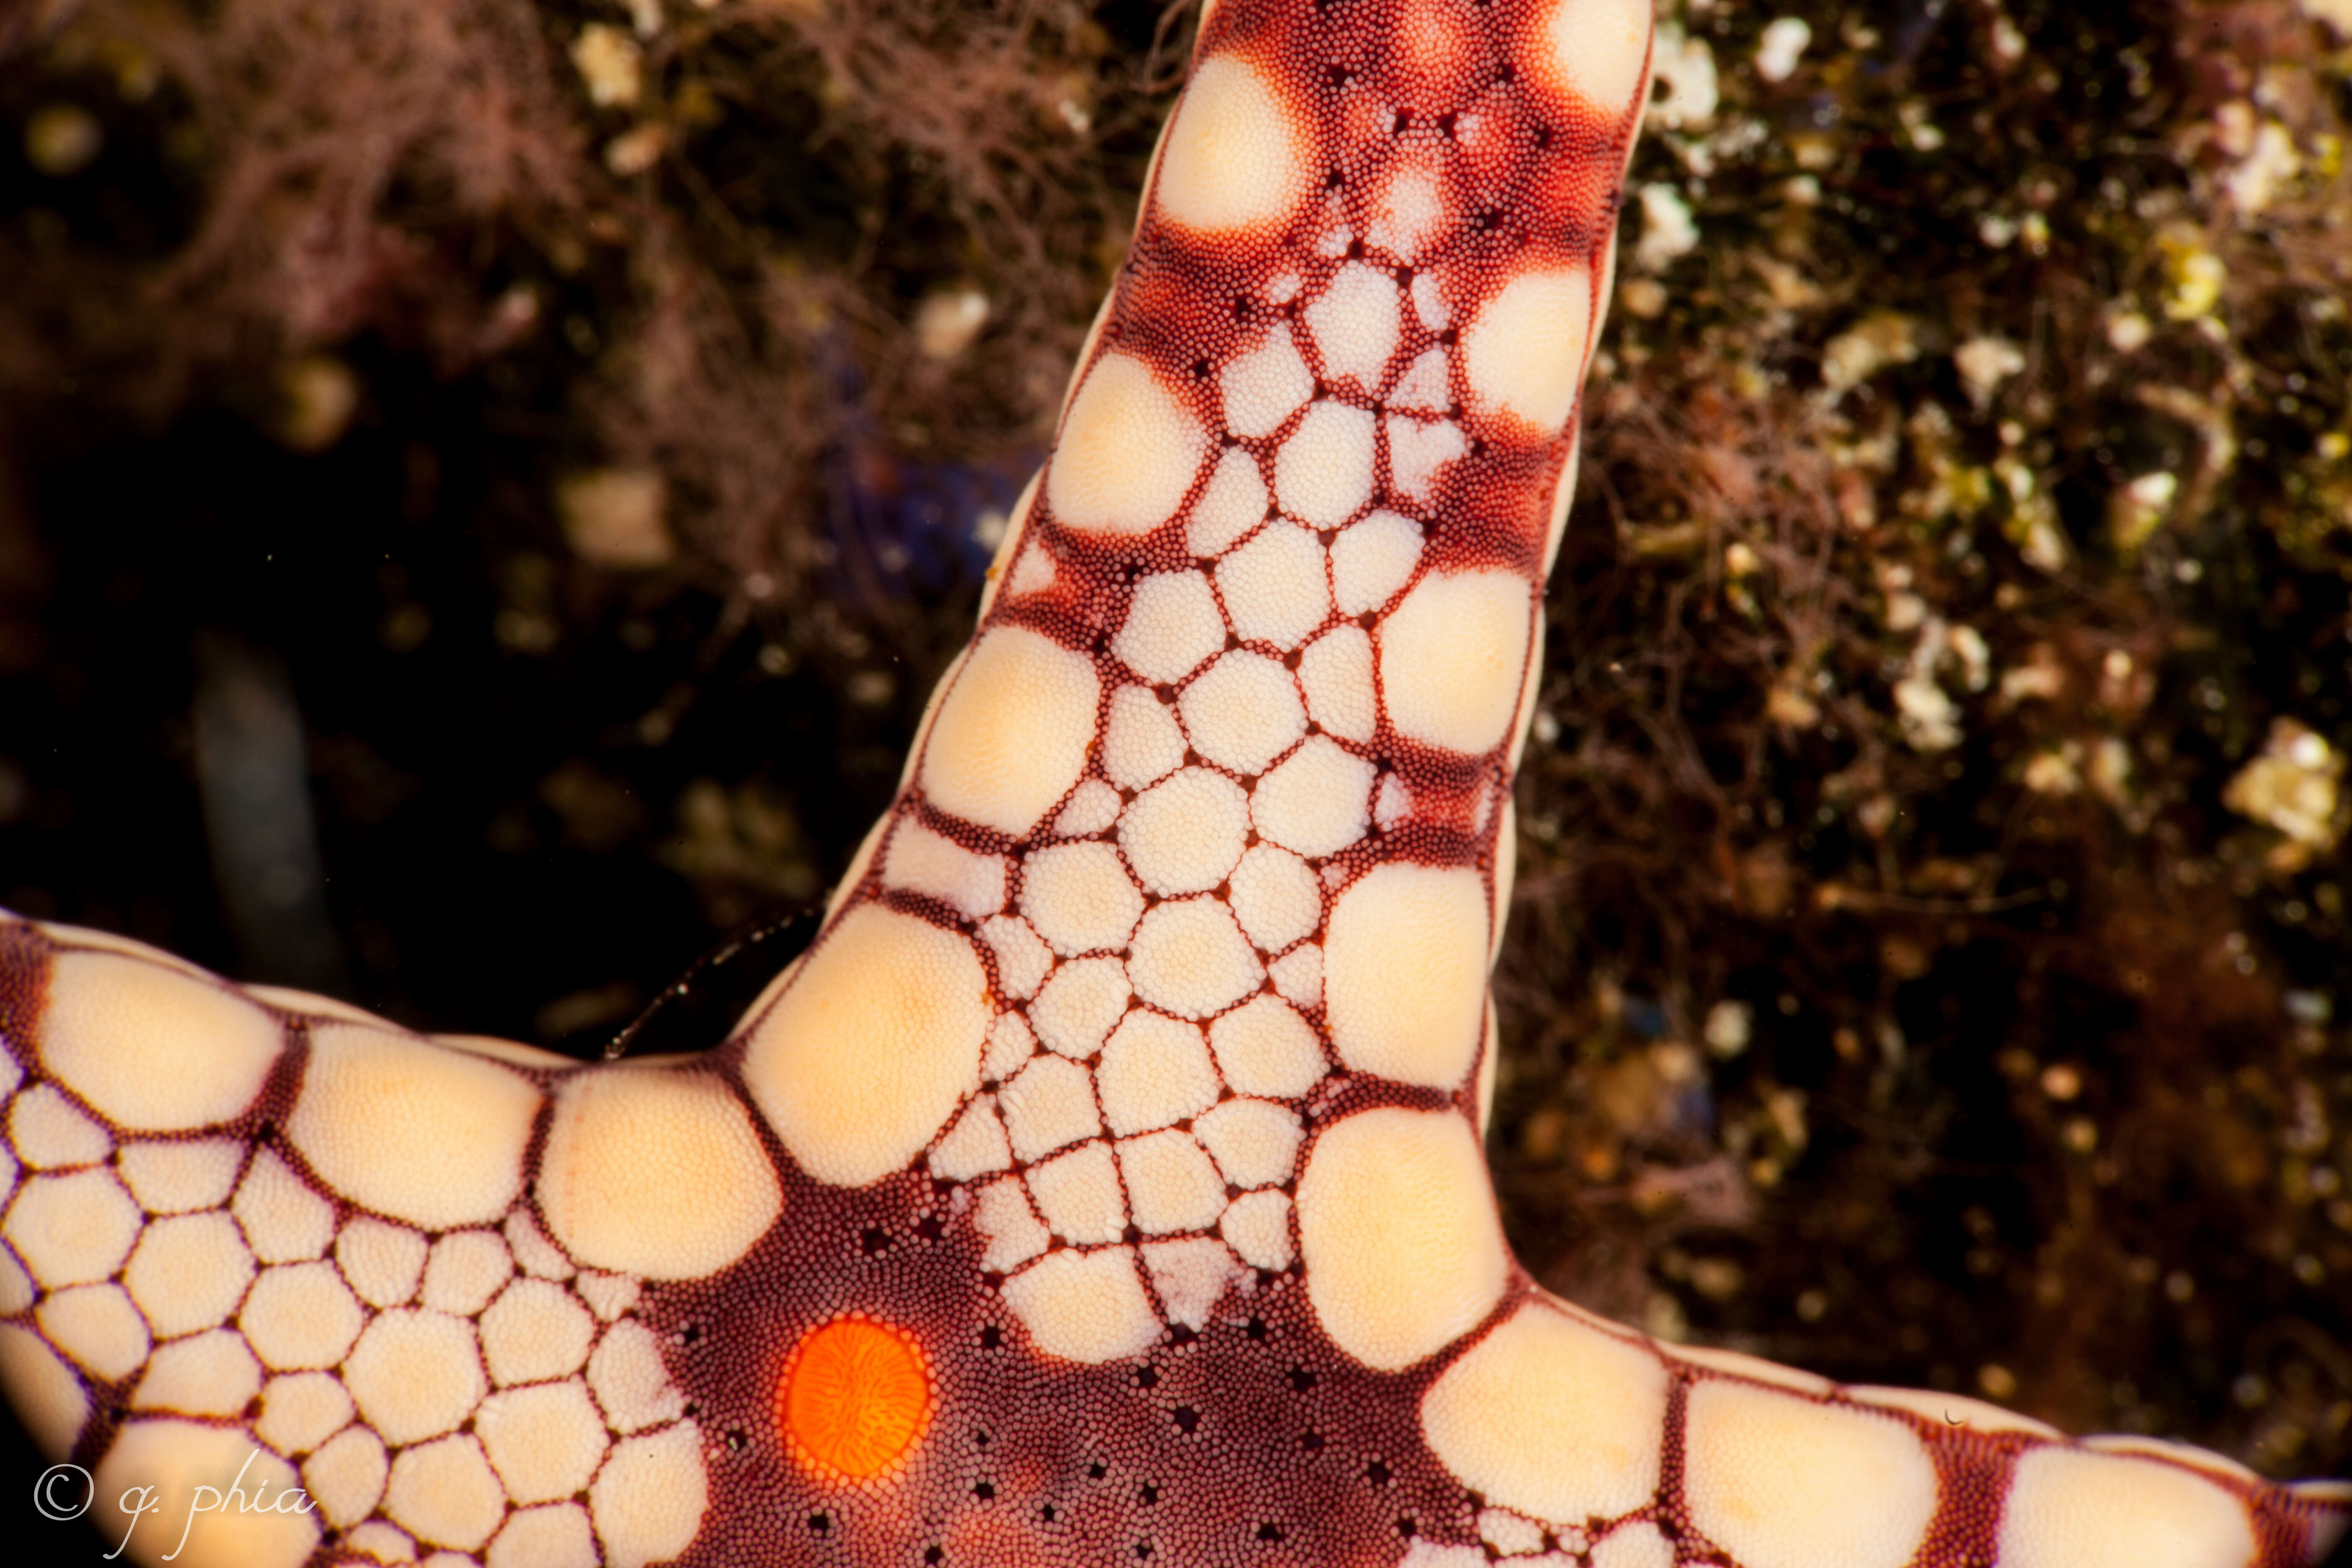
<point x="485" y="489"/>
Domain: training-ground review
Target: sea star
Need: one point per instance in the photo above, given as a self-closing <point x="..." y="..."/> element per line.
<point x="1105" y="1183"/>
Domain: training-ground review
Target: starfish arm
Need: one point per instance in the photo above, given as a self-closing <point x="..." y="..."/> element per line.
<point x="1106" y="1182"/>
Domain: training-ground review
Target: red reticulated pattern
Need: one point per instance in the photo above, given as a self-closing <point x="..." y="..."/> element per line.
<point x="1256" y="1440"/>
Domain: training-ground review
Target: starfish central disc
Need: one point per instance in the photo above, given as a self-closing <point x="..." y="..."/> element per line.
<point x="854" y="1397"/>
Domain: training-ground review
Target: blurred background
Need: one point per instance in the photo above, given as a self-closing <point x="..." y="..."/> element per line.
<point x="485" y="489"/>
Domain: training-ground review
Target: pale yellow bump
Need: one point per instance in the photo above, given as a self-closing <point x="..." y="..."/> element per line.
<point x="1085" y="1306"/>
<point x="446" y="1494"/>
<point x="97" y="1326"/>
<point x="180" y="1178"/>
<point x="312" y="1004"/>
<point x="1189" y="1275"/>
<point x="1506" y="875"/>
<point x="1013" y="731"/>
<point x="1011" y="1042"/>
<point x="1023" y="961"/>
<point x="648" y="1500"/>
<point x="1407" y="214"/>
<point x="1233" y="502"/>
<point x="1170" y="1183"/>
<point x="1372" y="560"/>
<point x="284" y="1220"/>
<point x="1397" y="1226"/>
<point x="1636" y="1545"/>
<point x="1275" y="586"/>
<point x="1012" y="1229"/>
<point x="1510" y="1534"/>
<point x="1242" y="711"/>
<point x="72" y="1229"/>
<point x="1079" y="897"/>
<point x="1953" y="1410"/>
<point x="1418" y="453"/>
<point x="1357" y="322"/>
<point x="1154" y="1073"/>
<point x="151" y="1048"/>
<point x="173" y="1458"/>
<point x="1264" y="1047"/>
<point x="1255" y="1143"/>
<point x="410" y="1130"/>
<point x="1141" y="744"/>
<point x="1317" y="802"/>
<point x="1034" y="573"/>
<point x="655" y="1172"/>
<point x="1127" y="455"/>
<point x="1257" y="1226"/>
<point x="1738" y="1364"/>
<point x="631" y="1385"/>
<point x="1552" y="1417"/>
<point x="1276" y="898"/>
<point x="557" y="1535"/>
<point x="1298" y="976"/>
<point x="609" y="1296"/>
<point x="301" y="1410"/>
<point x="1094" y="806"/>
<point x="1048" y="1104"/>
<point x="48" y="1132"/>
<point x="1523" y="719"/>
<point x="533" y="1253"/>
<point x="16" y="1289"/>
<point x="1483" y="1095"/>
<point x="1184" y="835"/>
<point x="975" y="1146"/>
<point x="854" y="882"/>
<point x="1172" y="624"/>
<point x="415" y="1374"/>
<point x="1233" y="158"/>
<point x="535" y="1330"/>
<point x="2186" y="1453"/>
<point x="1406" y="973"/>
<point x="382" y="1263"/>
<point x="922" y="861"/>
<point x="465" y="1269"/>
<point x="1190" y="958"/>
<point x="1452" y="656"/>
<point x="1563" y="498"/>
<point x="1323" y="473"/>
<point x="72" y="937"/>
<point x="1425" y="1553"/>
<point x="380" y="1541"/>
<point x="543" y="1441"/>
<point x="865" y="1058"/>
<point x="514" y="1053"/>
<point x="1077" y="1193"/>
<point x="1785" y="1482"/>
<point x="1080" y="1004"/>
<point x="1596" y="49"/>
<point x="1523" y="357"/>
<point x="189" y="1272"/>
<point x="1017" y="530"/>
<point x="46" y="1394"/>
<point x="300" y="1316"/>
<point x="1335" y="673"/>
<point x="210" y="1374"/>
